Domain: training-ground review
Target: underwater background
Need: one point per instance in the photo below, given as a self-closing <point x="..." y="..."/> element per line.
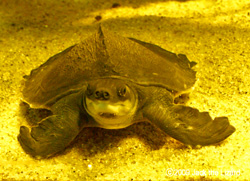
<point x="213" y="33"/>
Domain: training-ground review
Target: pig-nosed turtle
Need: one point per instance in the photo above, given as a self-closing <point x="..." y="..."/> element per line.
<point x="112" y="82"/>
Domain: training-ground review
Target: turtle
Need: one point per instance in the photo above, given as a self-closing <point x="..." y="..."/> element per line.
<point x="111" y="81"/>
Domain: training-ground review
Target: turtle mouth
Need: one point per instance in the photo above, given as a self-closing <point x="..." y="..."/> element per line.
<point x="107" y="115"/>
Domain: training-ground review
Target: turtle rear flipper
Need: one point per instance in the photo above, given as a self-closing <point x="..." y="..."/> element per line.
<point x="187" y="124"/>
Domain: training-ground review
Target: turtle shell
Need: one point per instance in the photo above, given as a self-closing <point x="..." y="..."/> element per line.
<point x="105" y="54"/>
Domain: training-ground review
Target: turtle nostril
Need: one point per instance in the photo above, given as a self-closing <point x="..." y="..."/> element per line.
<point x="105" y="95"/>
<point x="97" y="94"/>
<point x="102" y="95"/>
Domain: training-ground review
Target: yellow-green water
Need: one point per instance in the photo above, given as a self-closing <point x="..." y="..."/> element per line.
<point x="215" y="34"/>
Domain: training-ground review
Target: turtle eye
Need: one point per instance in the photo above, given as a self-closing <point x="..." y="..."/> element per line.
<point x="89" y="91"/>
<point x="122" y="91"/>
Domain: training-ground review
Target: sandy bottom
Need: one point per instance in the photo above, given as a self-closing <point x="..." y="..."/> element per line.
<point x="215" y="34"/>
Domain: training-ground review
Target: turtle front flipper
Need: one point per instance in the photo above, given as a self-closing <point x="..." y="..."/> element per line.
<point x="55" y="132"/>
<point x="187" y="124"/>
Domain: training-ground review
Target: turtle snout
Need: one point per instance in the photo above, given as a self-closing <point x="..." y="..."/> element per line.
<point x="102" y="95"/>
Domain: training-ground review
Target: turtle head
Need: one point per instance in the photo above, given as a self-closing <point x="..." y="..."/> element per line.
<point x="111" y="102"/>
